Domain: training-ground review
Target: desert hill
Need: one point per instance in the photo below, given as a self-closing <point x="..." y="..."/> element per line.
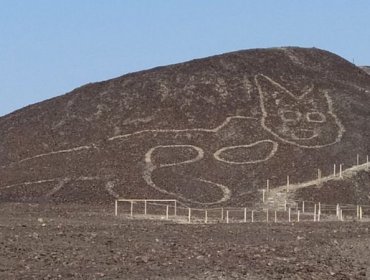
<point x="206" y="132"/>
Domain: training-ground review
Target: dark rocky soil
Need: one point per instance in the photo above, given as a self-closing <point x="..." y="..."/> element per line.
<point x="85" y="242"/>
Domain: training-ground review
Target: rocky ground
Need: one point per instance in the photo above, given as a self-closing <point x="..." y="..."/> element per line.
<point x="43" y="241"/>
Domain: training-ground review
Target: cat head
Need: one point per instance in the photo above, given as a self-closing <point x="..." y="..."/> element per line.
<point x="305" y="119"/>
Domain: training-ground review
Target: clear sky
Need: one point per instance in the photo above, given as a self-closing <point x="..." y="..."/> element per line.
<point x="49" y="47"/>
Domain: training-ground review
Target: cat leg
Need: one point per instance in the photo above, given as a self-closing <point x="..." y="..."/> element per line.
<point x="170" y="180"/>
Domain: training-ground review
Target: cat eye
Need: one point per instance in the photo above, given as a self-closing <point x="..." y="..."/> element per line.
<point x="316" y="117"/>
<point x="290" y="116"/>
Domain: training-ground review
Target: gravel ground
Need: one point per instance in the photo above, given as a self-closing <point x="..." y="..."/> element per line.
<point x="41" y="241"/>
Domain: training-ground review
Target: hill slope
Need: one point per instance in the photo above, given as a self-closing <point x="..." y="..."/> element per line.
<point x="208" y="131"/>
<point x="366" y="69"/>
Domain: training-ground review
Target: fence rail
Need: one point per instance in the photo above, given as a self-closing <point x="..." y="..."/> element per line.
<point x="167" y="209"/>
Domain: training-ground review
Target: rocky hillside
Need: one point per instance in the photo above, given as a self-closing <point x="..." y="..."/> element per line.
<point x="366" y="69"/>
<point x="206" y="132"/>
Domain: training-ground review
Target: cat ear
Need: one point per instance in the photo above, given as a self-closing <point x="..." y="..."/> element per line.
<point x="271" y="89"/>
<point x="322" y="101"/>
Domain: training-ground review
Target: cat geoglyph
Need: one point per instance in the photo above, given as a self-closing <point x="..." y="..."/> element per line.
<point x="304" y="118"/>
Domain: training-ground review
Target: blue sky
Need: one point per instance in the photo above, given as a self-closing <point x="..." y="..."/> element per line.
<point x="48" y="48"/>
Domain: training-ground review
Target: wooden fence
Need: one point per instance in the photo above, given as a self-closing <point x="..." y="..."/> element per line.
<point x="173" y="210"/>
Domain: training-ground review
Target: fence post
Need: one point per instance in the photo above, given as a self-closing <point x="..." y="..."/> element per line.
<point x="334" y="170"/>
<point x="189" y="215"/>
<point x="340" y="170"/>
<point x="275" y="217"/>
<point x="167" y="212"/>
<point x="285" y="205"/>
<point x="227" y="216"/>
<point x="319" y="174"/>
<point x="263" y="196"/>
<point x="302" y="206"/>
<point x="319" y="212"/>
<point x="205" y="217"/>
<point x="145" y="209"/>
<point x="341" y="215"/>
<point x="287" y="183"/>
<point x="252" y="216"/>
<point x="358" y="159"/>
<point x="116" y="207"/>
<point x="337" y="210"/>
<point x="267" y="215"/>
<point x="268" y="185"/>
<point x="289" y="217"/>
<point x="222" y="214"/>
<point x="132" y="209"/>
<point x="298" y="216"/>
<point x="314" y="213"/>
<point x="245" y="215"/>
<point x="175" y="214"/>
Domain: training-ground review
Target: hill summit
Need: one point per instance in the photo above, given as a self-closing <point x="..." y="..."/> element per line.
<point x="206" y="132"/>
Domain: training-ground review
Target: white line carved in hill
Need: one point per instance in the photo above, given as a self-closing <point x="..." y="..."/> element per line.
<point x="58" y="187"/>
<point x="64" y="151"/>
<point x="150" y="167"/>
<point x="218" y="153"/>
<point x="29" y="183"/>
<point x="216" y="129"/>
<point x="60" y="182"/>
<point x="305" y="119"/>
<point x="71" y="150"/>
